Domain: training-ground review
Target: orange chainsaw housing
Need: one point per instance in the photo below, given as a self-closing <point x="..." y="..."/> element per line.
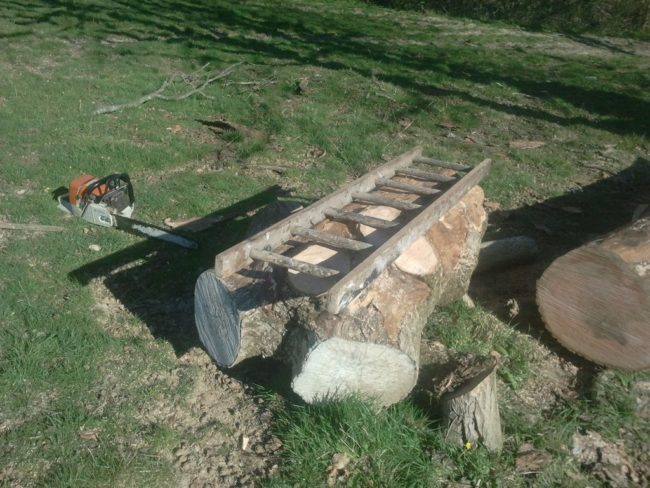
<point x="77" y="188"/>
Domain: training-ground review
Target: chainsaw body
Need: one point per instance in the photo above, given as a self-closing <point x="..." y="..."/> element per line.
<point x="98" y="200"/>
<point x="109" y="202"/>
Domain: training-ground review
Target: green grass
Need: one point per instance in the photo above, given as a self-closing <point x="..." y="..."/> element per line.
<point x="377" y="83"/>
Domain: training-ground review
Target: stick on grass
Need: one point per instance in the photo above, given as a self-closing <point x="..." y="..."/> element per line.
<point x="196" y="87"/>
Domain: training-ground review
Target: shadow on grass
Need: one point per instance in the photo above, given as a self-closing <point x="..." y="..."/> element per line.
<point x="348" y="41"/>
<point x="155" y="281"/>
<point x="559" y="224"/>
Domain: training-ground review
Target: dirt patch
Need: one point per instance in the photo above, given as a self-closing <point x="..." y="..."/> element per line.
<point x="225" y="433"/>
<point x="223" y="430"/>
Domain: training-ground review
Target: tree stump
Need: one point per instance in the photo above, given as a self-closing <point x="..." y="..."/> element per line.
<point x="372" y="346"/>
<point x="595" y="300"/>
<point x="470" y="409"/>
<point x="460" y="388"/>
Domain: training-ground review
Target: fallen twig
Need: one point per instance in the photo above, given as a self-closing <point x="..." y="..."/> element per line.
<point x="197" y="86"/>
<point x="31" y="227"/>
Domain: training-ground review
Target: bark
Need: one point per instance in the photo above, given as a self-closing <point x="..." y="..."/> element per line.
<point x="471" y="411"/>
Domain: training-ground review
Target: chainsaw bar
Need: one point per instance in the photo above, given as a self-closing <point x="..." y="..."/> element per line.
<point x="144" y="229"/>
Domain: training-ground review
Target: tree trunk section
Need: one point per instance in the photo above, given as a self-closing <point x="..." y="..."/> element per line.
<point x="372" y="346"/>
<point x="595" y="300"/>
<point x="471" y="411"/>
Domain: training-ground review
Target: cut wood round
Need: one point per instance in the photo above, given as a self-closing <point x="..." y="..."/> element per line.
<point x="470" y="409"/>
<point x="595" y="300"/>
<point x="221" y="310"/>
<point x="324" y="256"/>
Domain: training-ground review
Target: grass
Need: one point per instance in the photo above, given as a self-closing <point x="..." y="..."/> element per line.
<point x="376" y="82"/>
<point x="617" y="17"/>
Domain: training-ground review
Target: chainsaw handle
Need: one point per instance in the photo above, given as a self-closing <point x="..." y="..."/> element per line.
<point x="111" y="182"/>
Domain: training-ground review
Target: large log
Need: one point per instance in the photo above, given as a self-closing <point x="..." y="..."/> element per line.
<point x="372" y="345"/>
<point x="595" y="300"/>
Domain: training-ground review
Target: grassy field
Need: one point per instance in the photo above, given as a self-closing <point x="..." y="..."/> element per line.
<point x="98" y="354"/>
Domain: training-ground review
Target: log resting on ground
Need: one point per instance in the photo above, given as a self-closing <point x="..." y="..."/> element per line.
<point x="595" y="300"/>
<point x="372" y="346"/>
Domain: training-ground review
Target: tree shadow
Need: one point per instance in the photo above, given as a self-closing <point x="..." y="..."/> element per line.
<point x="325" y="38"/>
<point x="155" y="281"/>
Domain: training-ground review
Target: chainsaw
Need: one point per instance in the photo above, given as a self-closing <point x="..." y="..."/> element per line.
<point x="109" y="202"/>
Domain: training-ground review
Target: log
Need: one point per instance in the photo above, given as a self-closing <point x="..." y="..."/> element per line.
<point x="372" y="345"/>
<point x="595" y="300"/>
<point x="470" y="409"/>
<point x="503" y="253"/>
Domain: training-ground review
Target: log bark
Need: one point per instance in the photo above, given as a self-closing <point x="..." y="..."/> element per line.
<point x="595" y="300"/>
<point x="470" y="410"/>
<point x="372" y="346"/>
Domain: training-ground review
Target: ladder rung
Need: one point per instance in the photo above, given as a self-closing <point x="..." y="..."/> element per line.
<point x="425" y="175"/>
<point x="442" y="164"/>
<point x="415" y="189"/>
<point x="329" y="239"/>
<point x="286" y="262"/>
<point x="373" y="222"/>
<point x="387" y="202"/>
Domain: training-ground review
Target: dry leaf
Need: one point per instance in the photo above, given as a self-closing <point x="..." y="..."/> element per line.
<point x="405" y="123"/>
<point x="531" y="460"/>
<point x="316" y="152"/>
<point x="338" y="470"/>
<point x="175" y="129"/>
<point x="89" y="435"/>
<point x="491" y="206"/>
<point x="513" y="307"/>
<point x="524" y="144"/>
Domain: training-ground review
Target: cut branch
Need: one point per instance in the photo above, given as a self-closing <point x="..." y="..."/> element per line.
<point x="196" y="87"/>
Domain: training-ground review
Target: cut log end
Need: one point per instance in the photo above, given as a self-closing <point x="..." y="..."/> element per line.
<point x="337" y="367"/>
<point x="595" y="304"/>
<point x="217" y="319"/>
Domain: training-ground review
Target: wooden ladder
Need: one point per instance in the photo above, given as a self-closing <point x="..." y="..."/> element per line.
<point x="414" y="220"/>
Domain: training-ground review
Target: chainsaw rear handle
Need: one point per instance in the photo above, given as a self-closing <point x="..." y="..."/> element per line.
<point x="111" y="182"/>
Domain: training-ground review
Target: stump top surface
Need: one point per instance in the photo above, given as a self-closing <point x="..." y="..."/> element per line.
<point x="596" y="306"/>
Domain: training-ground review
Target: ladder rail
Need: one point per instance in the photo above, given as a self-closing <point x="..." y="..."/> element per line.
<point x="236" y="257"/>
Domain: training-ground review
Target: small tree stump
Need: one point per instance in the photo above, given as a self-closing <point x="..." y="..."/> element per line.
<point x="470" y="409"/>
